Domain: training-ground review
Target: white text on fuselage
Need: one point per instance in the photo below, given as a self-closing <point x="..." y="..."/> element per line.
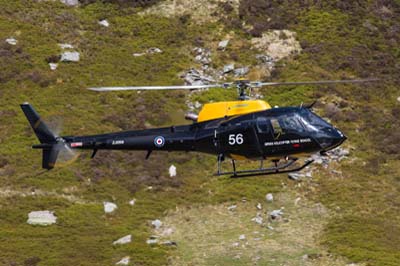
<point x="118" y="142"/>
<point x="287" y="142"/>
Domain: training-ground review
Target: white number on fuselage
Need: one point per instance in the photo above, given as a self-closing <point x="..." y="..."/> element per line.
<point x="235" y="139"/>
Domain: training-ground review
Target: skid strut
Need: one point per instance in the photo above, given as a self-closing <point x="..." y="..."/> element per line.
<point x="276" y="169"/>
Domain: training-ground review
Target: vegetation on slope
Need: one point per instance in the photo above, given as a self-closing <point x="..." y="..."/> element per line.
<point x="340" y="39"/>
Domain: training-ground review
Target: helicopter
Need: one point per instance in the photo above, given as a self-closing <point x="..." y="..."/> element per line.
<point x="245" y="129"/>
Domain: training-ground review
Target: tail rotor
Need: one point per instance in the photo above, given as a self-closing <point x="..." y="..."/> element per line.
<point x="54" y="147"/>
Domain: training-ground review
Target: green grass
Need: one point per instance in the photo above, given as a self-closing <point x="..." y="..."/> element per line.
<point x="364" y="226"/>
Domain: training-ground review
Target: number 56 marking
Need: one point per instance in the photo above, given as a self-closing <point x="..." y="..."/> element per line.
<point x="235" y="139"/>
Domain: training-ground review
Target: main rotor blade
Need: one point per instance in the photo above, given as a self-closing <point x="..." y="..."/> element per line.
<point x="260" y="84"/>
<point x="184" y="87"/>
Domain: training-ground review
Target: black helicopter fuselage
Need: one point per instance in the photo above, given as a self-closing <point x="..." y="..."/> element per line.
<point x="268" y="134"/>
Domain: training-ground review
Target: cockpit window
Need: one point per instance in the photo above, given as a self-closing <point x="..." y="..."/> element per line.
<point x="291" y="123"/>
<point x="263" y="124"/>
<point x="286" y="124"/>
<point x="313" y="122"/>
<point x="276" y="126"/>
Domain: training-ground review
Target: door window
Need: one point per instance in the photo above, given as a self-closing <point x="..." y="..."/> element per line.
<point x="263" y="124"/>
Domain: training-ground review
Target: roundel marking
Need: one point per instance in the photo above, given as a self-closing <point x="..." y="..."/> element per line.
<point x="159" y="141"/>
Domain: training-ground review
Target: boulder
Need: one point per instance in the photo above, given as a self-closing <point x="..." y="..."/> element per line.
<point x="124" y="261"/>
<point x="242" y="237"/>
<point x="152" y="240"/>
<point x="228" y="68"/>
<point x="123" y="240"/>
<point x="398" y="99"/>
<point x="196" y="77"/>
<point x="276" y="214"/>
<point x="11" y="41"/>
<point x="265" y="59"/>
<point x="241" y="71"/>
<point x="258" y="219"/>
<point x="41" y="218"/>
<point x="53" y="66"/>
<point x="65" y="46"/>
<point x="104" y="23"/>
<point x="172" y="171"/>
<point x="132" y="202"/>
<point x="70" y="2"/>
<point x="232" y="207"/>
<point x="259" y="206"/>
<point x="109" y="207"/>
<point x="269" y="197"/>
<point x="296" y="176"/>
<point x="70" y="57"/>
<point x="223" y="44"/>
<point x="154" y="50"/>
<point x="169" y="243"/>
<point x="156" y="224"/>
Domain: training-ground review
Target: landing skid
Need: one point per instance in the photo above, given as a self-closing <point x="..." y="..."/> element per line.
<point x="277" y="169"/>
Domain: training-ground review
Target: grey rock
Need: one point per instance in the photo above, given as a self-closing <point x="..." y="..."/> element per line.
<point x="308" y="174"/>
<point x="242" y="237"/>
<point x="152" y="240"/>
<point x="198" y="50"/>
<point x="11" y="41"/>
<point x="104" y="23"/>
<point x="65" y="46"/>
<point x="258" y="219"/>
<point x="196" y="77"/>
<point x="266" y="59"/>
<point x="132" y="202"/>
<point x="169" y="243"/>
<point x="156" y="224"/>
<point x="241" y="71"/>
<point x="269" y="197"/>
<point x="138" y="54"/>
<point x="228" y="68"/>
<point x="41" y="218"/>
<point x="259" y="206"/>
<point x="296" y="176"/>
<point x="172" y="170"/>
<point x="232" y="207"/>
<point x="109" y="207"/>
<point x="53" y="66"/>
<point x="70" y="57"/>
<point x="154" y="50"/>
<point x="198" y="57"/>
<point x="276" y="214"/>
<point x="223" y="44"/>
<point x="70" y="2"/>
<point x="123" y="240"/>
<point x="124" y="261"/>
<point x="398" y="99"/>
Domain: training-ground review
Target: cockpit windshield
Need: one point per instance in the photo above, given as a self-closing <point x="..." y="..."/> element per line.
<point x="312" y="122"/>
<point x="286" y="124"/>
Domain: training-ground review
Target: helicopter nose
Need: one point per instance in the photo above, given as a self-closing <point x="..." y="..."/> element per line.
<point x="332" y="140"/>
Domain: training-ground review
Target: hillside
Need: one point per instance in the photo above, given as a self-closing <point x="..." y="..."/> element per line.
<point x="347" y="213"/>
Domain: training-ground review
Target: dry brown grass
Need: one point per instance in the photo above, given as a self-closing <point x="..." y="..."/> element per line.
<point x="209" y="235"/>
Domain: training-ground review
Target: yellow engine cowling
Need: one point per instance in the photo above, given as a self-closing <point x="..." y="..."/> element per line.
<point x="212" y="111"/>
